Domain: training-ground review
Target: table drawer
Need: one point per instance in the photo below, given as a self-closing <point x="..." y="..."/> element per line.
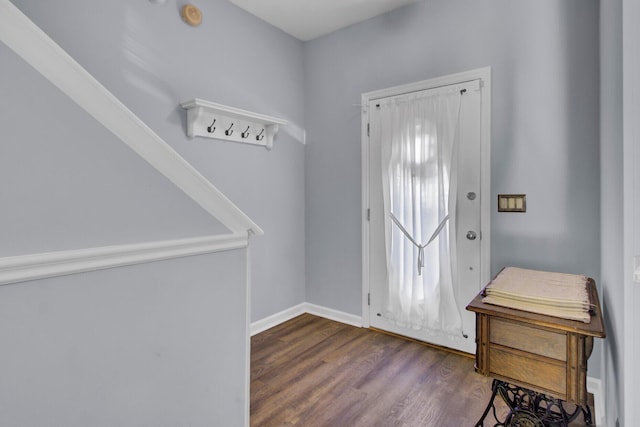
<point x="547" y="375"/>
<point x="529" y="339"/>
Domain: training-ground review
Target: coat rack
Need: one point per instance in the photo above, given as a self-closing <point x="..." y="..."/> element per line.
<point x="217" y="121"/>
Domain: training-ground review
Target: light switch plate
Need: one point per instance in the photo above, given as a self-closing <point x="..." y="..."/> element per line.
<point x="512" y="202"/>
<point x="636" y="268"/>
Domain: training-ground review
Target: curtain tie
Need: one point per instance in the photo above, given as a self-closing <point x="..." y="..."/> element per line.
<point x="415" y="243"/>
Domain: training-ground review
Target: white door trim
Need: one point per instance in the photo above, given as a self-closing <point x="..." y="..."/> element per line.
<point x="629" y="344"/>
<point x="484" y="75"/>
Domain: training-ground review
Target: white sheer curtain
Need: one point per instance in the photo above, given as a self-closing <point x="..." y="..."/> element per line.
<point x="419" y="158"/>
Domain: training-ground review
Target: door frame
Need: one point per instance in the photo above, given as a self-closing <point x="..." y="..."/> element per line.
<point x="482" y="74"/>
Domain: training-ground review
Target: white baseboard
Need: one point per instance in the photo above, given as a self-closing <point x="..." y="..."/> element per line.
<point x="295" y="311"/>
<point x="276" y="319"/>
<point x="594" y="386"/>
<point x="331" y="314"/>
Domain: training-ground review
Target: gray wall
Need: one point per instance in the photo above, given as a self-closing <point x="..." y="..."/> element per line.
<point x="545" y="137"/>
<point x="612" y="231"/>
<point x="151" y="60"/>
<point x="545" y="128"/>
<point x="631" y="208"/>
<point x="158" y="344"/>
<point x="69" y="183"/>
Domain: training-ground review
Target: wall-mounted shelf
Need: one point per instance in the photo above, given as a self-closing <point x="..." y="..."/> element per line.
<point x="217" y="121"/>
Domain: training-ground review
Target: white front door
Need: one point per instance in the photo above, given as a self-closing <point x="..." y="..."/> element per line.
<point x="470" y="240"/>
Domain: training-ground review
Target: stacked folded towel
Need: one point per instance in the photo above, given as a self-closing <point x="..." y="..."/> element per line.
<point x="553" y="294"/>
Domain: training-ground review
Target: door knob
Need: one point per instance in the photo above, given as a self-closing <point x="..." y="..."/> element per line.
<point x="471" y="235"/>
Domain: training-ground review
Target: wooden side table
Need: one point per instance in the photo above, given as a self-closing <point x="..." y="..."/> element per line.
<point x="538" y="361"/>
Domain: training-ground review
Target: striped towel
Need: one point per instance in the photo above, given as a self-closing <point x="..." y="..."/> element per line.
<point x="553" y="294"/>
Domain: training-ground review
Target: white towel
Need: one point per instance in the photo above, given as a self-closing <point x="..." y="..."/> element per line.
<point x="553" y="294"/>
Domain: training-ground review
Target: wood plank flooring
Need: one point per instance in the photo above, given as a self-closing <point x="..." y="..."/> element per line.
<point x="314" y="372"/>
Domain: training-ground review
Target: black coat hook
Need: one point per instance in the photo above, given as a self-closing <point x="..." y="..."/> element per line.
<point x="212" y="128"/>
<point x="260" y="136"/>
<point x="229" y="132"/>
<point x="245" y="134"/>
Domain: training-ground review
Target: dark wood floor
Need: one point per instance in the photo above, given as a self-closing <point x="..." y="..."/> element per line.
<point x="312" y="372"/>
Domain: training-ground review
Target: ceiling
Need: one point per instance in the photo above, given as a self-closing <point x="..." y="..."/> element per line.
<point x="308" y="19"/>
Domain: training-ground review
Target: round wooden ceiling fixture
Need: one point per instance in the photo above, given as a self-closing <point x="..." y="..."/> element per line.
<point x="191" y="15"/>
